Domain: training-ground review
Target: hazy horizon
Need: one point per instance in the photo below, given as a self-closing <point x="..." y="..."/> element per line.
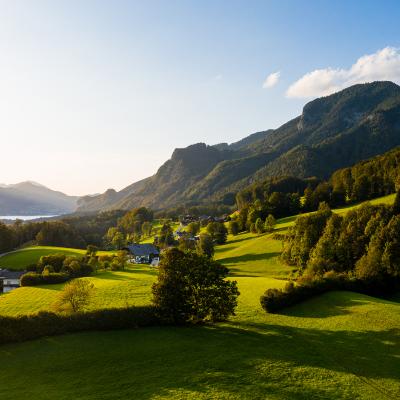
<point x="97" y="95"/>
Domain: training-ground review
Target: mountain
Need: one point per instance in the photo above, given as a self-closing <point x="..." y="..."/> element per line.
<point x="332" y="132"/>
<point x="32" y="198"/>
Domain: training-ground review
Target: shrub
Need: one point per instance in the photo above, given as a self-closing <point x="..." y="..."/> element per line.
<point x="274" y="300"/>
<point x="75" y="296"/>
<point x="35" y="279"/>
<point x="31" y="279"/>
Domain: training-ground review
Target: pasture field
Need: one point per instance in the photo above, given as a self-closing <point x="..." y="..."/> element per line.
<point x="113" y="289"/>
<point x="340" y="345"/>
<point x="20" y="259"/>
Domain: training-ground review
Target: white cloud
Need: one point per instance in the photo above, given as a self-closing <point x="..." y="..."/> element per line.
<point x="272" y="80"/>
<point x="384" y="65"/>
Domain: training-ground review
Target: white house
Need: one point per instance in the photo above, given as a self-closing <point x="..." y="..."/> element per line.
<point x="143" y="253"/>
<point x="9" y="280"/>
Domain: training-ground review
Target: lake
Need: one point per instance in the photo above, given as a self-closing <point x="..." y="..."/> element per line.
<point x="25" y="217"/>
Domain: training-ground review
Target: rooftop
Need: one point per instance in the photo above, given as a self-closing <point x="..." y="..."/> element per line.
<point x="143" y="249"/>
<point x="6" y="274"/>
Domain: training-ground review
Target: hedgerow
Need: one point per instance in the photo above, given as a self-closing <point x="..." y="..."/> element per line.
<point x="275" y="300"/>
<point x="27" y="327"/>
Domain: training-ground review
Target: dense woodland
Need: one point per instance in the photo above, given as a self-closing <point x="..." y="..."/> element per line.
<point x="287" y="196"/>
<point x="359" y="252"/>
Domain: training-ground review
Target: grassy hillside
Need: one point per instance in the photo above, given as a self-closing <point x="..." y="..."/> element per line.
<point x="285" y="223"/>
<point x="20" y="259"/>
<point x="113" y="289"/>
<point x="340" y="345"/>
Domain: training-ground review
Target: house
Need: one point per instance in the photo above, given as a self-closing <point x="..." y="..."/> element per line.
<point x="143" y="253"/>
<point x="9" y="280"/>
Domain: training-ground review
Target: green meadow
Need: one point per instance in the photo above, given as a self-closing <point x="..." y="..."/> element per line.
<point x="20" y="259"/>
<point x="340" y="345"/>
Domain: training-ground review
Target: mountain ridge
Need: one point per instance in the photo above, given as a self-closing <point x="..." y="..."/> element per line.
<point x="332" y="132"/>
<point x="32" y="198"/>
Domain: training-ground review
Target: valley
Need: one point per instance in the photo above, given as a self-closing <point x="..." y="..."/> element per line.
<point x="288" y="355"/>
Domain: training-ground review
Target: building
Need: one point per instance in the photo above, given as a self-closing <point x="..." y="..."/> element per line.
<point x="9" y="280"/>
<point x="143" y="253"/>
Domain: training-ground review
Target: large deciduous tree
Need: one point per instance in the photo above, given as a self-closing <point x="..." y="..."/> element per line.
<point x="193" y="288"/>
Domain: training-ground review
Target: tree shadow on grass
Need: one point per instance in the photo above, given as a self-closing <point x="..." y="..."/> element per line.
<point x="119" y="275"/>
<point x="249" y="257"/>
<point x="253" y="361"/>
<point x="338" y="303"/>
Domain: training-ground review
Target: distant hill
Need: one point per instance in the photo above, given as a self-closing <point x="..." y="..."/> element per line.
<point x="31" y="198"/>
<point x="332" y="132"/>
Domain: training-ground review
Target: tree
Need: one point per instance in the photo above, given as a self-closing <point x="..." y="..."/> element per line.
<point x="218" y="232"/>
<point x="193" y="228"/>
<point x="56" y="260"/>
<point x="193" y="288"/>
<point x="166" y="237"/>
<point x="133" y="220"/>
<point x="396" y="204"/>
<point x="252" y="217"/>
<point x="122" y="258"/>
<point x="205" y="246"/>
<point x="382" y="259"/>
<point x="147" y="228"/>
<point x="259" y="226"/>
<point x="186" y="244"/>
<point x="270" y="223"/>
<point x="91" y="250"/>
<point x="118" y="241"/>
<point x="233" y="227"/>
<point x="58" y="233"/>
<point x="75" y="296"/>
<point x="324" y="256"/>
<point x="7" y="238"/>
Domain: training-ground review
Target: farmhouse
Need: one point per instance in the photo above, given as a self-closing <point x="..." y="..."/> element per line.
<point x="143" y="253"/>
<point x="9" y="280"/>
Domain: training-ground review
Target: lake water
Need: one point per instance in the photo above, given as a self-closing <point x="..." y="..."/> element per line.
<point x="25" y="217"/>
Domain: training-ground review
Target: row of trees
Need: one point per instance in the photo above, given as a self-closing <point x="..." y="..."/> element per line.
<point x="54" y="233"/>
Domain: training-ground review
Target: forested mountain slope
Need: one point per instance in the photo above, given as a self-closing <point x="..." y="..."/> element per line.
<point x="332" y="132"/>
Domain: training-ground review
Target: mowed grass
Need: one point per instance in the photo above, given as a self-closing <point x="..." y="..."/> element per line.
<point x="248" y="254"/>
<point x="20" y="259"/>
<point x="340" y="345"/>
<point x="113" y="290"/>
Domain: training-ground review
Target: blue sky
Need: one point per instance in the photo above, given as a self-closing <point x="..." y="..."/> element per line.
<point x="97" y="94"/>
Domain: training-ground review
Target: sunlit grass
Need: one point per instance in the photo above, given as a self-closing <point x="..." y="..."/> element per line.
<point x="340" y="345"/>
<point x="20" y="259"/>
